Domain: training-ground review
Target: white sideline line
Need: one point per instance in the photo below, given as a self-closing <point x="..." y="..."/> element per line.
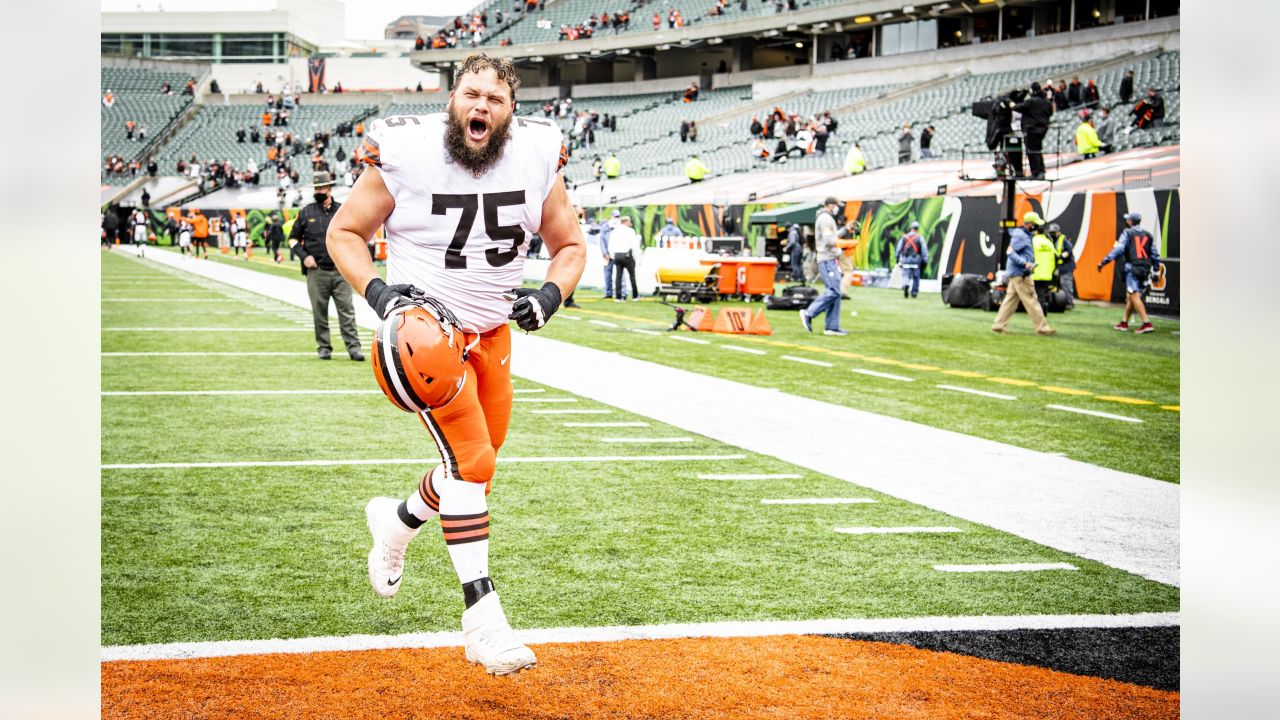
<point x="885" y="376"/>
<point x="604" y="424"/>
<point x="419" y="461"/>
<point x="757" y="628"/>
<point x="529" y="390"/>
<point x="592" y="411"/>
<point x="983" y="393"/>
<point x="906" y="530"/>
<point x="570" y="317"/>
<point x="1005" y="567"/>
<point x="807" y="361"/>
<point x="695" y="341"/>
<point x="135" y="393"/>
<point x="204" y="354"/>
<point x="782" y="476"/>
<point x="739" y="348"/>
<point x="818" y="501"/>
<point x="207" y="329"/>
<point x="647" y="441"/>
<point x="164" y="299"/>
<point x="545" y="400"/>
<point x="1094" y="413"/>
<point x="644" y="331"/>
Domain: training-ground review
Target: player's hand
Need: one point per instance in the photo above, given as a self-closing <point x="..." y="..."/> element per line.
<point x="309" y="262"/>
<point x="533" y="308"/>
<point x="384" y="298"/>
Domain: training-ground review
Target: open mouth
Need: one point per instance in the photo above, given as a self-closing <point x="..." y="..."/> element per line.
<point x="477" y="129"/>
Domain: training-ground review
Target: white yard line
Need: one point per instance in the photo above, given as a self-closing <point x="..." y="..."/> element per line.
<point x="729" y="629"/>
<point x="1120" y="519"/>
<point x="882" y="376"/>
<point x="807" y="361"/>
<point x="569" y="317"/>
<point x="739" y="348"/>
<point x="603" y="323"/>
<point x="1005" y="567"/>
<point x="545" y="400"/>
<point x="695" y="341"/>
<point x="750" y="476"/>
<point x="1095" y="413"/>
<point x="983" y="393"/>
<point x="529" y="390"/>
<point x="207" y="329"/>
<point x="585" y="411"/>
<point x="904" y="530"/>
<point x="604" y="424"/>
<point x="211" y="298"/>
<point x="136" y="393"/>
<point x="205" y="354"/>
<point x="818" y="501"/>
<point x="644" y="331"/>
<point x="647" y="441"/>
<point x="418" y="461"/>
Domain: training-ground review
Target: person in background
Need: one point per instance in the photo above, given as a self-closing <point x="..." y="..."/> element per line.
<point x="855" y="162"/>
<point x="827" y="232"/>
<point x="1037" y="113"/>
<point x="905" y="141"/>
<point x="670" y="229"/>
<point x="624" y="246"/>
<point x="110" y="227"/>
<point x="273" y="237"/>
<point x="199" y="233"/>
<point x="912" y="254"/>
<point x="1141" y="258"/>
<point x="1087" y="141"/>
<point x="1105" y="126"/>
<point x="604" y="229"/>
<point x="926" y="143"/>
<point x="795" y="252"/>
<point x="1064" y="251"/>
<point x="1126" y="87"/>
<point x="1091" y="95"/>
<point x="693" y="131"/>
<point x="695" y="169"/>
<point x="323" y="279"/>
<point x="1019" y="288"/>
<point x="684" y="131"/>
<point x="612" y="168"/>
<point x="1046" y="264"/>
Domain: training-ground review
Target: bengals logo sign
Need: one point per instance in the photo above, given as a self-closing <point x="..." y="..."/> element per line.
<point x="1158" y="277"/>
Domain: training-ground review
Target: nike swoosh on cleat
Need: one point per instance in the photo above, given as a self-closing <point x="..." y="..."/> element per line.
<point x="504" y="360"/>
<point x="393" y="582"/>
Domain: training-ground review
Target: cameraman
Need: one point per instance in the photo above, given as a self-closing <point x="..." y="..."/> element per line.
<point x="999" y="134"/>
<point x="1036" y="113"/>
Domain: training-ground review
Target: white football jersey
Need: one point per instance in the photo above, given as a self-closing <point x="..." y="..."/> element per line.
<point x="460" y="238"/>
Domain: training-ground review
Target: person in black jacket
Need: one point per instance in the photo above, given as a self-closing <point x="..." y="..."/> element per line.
<point x="273" y="237"/>
<point x="323" y="279"/>
<point x="1126" y="87"/>
<point x="1036" y="113"/>
<point x="999" y="127"/>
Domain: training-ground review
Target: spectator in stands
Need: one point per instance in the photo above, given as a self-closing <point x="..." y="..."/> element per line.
<point x="1091" y="95"/>
<point x="190" y="87"/>
<point x="691" y="93"/>
<point x="612" y="167"/>
<point x="926" y="143"/>
<point x="1087" y="142"/>
<point x="820" y="136"/>
<point x="1036" y="115"/>
<point x="1019" y="287"/>
<point x="1126" y="87"/>
<point x="693" y="131"/>
<point x="1105" y="125"/>
<point x="905" y="140"/>
<point x="142" y="133"/>
<point x="108" y="99"/>
<point x="129" y="126"/>
<point x="266" y="118"/>
<point x="152" y="167"/>
<point x="214" y="87"/>
<point x="419" y="43"/>
<point x="756" y="128"/>
<point x="695" y="169"/>
<point x="1149" y="112"/>
<point x="240" y="135"/>
<point x="1075" y="94"/>
<point x="779" y="6"/>
<point x="1060" y="99"/>
<point x="759" y="151"/>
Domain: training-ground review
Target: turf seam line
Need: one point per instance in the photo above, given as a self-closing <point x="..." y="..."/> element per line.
<point x="758" y="628"/>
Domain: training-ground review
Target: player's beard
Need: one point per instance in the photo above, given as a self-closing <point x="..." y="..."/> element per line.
<point x="476" y="161"/>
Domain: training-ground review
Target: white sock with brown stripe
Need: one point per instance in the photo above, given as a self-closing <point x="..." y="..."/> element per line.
<point x="424" y="503"/>
<point x="464" y="519"/>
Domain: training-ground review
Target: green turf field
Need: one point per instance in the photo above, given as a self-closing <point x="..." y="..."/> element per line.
<point x="260" y="552"/>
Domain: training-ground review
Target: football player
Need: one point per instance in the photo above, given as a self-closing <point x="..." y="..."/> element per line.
<point x="460" y="194"/>
<point x="240" y="234"/>
<point x="138" y="219"/>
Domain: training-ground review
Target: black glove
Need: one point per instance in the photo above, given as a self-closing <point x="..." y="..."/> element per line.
<point x="1100" y="267"/>
<point x="383" y="298"/>
<point x="533" y="308"/>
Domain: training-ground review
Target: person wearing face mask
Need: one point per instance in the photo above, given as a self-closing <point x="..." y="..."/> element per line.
<point x="323" y="279"/>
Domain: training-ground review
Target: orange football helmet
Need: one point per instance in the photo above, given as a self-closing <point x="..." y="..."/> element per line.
<point x="419" y="356"/>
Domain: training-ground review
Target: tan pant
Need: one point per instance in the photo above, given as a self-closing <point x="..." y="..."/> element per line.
<point x="1020" y="289"/>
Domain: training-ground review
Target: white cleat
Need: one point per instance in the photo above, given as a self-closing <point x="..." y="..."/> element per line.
<point x="490" y="641"/>
<point x="390" y="540"/>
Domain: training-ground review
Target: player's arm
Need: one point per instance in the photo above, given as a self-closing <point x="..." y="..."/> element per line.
<point x="366" y="209"/>
<point x="563" y="239"/>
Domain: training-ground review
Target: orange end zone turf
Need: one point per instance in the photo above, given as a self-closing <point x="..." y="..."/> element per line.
<point x="784" y="677"/>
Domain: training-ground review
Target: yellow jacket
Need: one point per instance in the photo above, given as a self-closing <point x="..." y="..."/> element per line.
<point x="694" y="169"/>
<point x="1087" y="142"/>
<point x="1046" y="257"/>
<point x="854" y="162"/>
<point x="612" y="167"/>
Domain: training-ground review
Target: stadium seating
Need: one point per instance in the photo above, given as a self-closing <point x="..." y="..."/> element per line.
<point x="137" y="97"/>
<point x="1162" y="72"/>
<point x="211" y="135"/>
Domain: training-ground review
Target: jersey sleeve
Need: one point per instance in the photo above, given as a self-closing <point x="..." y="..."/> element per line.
<point x="371" y="145"/>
